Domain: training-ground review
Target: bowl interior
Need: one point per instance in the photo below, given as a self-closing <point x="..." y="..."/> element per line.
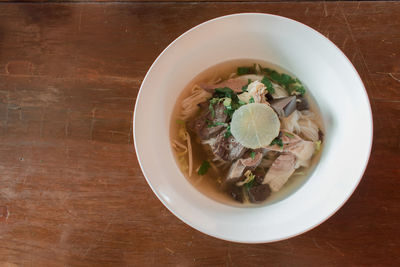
<point x="322" y="67"/>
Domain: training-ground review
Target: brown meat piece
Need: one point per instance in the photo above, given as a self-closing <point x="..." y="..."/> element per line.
<point x="227" y="148"/>
<point x="259" y="193"/>
<point x="238" y="167"/>
<point x="200" y="125"/>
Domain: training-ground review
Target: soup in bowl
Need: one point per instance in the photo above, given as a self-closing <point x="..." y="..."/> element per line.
<point x="246" y="133"/>
<point x="282" y="94"/>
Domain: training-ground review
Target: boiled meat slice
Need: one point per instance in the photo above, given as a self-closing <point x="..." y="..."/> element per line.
<point x="280" y="171"/>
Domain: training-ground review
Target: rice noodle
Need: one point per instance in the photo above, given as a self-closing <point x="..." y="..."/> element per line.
<point x="189" y="145"/>
<point x="176" y="144"/>
<point x="190" y="103"/>
<point x="184" y="135"/>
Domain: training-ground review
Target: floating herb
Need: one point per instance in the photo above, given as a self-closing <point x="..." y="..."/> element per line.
<point x="245" y="70"/>
<point x="277" y="141"/>
<point x="228" y="132"/>
<point x="216" y="123"/>
<point x="213" y="101"/>
<point x="268" y="84"/>
<point x="291" y="85"/>
<point x="289" y="135"/>
<point x="203" y="167"/>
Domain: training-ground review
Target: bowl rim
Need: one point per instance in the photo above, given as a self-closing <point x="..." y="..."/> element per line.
<point x="216" y="235"/>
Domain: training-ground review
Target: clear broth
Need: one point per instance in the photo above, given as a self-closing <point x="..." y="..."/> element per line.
<point x="208" y="184"/>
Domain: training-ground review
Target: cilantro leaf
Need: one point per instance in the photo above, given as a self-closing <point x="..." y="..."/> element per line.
<point x="289" y="135"/>
<point x="231" y="105"/>
<point x="224" y="92"/>
<point x="213" y="101"/>
<point x="245" y="70"/>
<point x="215" y="123"/>
<point x="253" y="154"/>
<point x="203" y="167"/>
<point x="249" y="184"/>
<point x="289" y="83"/>
<point x="282" y="79"/>
<point x="277" y="141"/>
<point x="251" y="100"/>
<point x="268" y="84"/>
<point x="228" y="132"/>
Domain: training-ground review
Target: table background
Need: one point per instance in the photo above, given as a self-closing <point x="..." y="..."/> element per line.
<point x="71" y="190"/>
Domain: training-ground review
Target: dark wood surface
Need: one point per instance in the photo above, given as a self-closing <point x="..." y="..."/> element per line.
<point x="71" y="190"/>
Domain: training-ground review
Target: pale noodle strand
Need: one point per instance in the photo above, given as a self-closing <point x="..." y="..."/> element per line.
<point x="185" y="149"/>
<point x="176" y="144"/>
<point x="189" y="145"/>
<point x="190" y="104"/>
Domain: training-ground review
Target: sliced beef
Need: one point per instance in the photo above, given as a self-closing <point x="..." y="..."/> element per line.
<point x="235" y="84"/>
<point x="234" y="191"/>
<point x="239" y="166"/>
<point x="280" y="171"/>
<point x="227" y="148"/>
<point x="303" y="150"/>
<point x="200" y="125"/>
<point x="260" y="174"/>
<point x="259" y="193"/>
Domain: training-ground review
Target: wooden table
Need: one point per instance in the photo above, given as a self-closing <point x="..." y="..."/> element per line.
<point x="71" y="190"/>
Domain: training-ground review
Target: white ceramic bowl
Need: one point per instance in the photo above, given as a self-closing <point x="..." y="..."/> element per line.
<point x="321" y="66"/>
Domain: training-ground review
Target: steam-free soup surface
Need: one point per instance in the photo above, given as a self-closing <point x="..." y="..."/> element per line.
<point x="246" y="132"/>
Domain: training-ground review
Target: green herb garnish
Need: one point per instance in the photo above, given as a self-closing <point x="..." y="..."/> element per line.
<point x="249" y="184"/>
<point x="226" y="93"/>
<point x="228" y="132"/>
<point x="251" y="100"/>
<point x="215" y="123"/>
<point x="277" y="141"/>
<point x="250" y="178"/>
<point x="245" y="70"/>
<point x="203" y="167"/>
<point x="253" y="154"/>
<point x="288" y="135"/>
<point x="282" y="79"/>
<point x="268" y="84"/>
<point x="248" y="181"/>
<point x="213" y="101"/>
<point x="227" y="102"/>
<point x="298" y="88"/>
<point x="290" y="84"/>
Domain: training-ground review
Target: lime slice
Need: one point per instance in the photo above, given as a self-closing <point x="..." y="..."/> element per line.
<point x="255" y="125"/>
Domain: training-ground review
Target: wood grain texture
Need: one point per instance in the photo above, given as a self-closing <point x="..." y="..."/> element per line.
<point x="71" y="190"/>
